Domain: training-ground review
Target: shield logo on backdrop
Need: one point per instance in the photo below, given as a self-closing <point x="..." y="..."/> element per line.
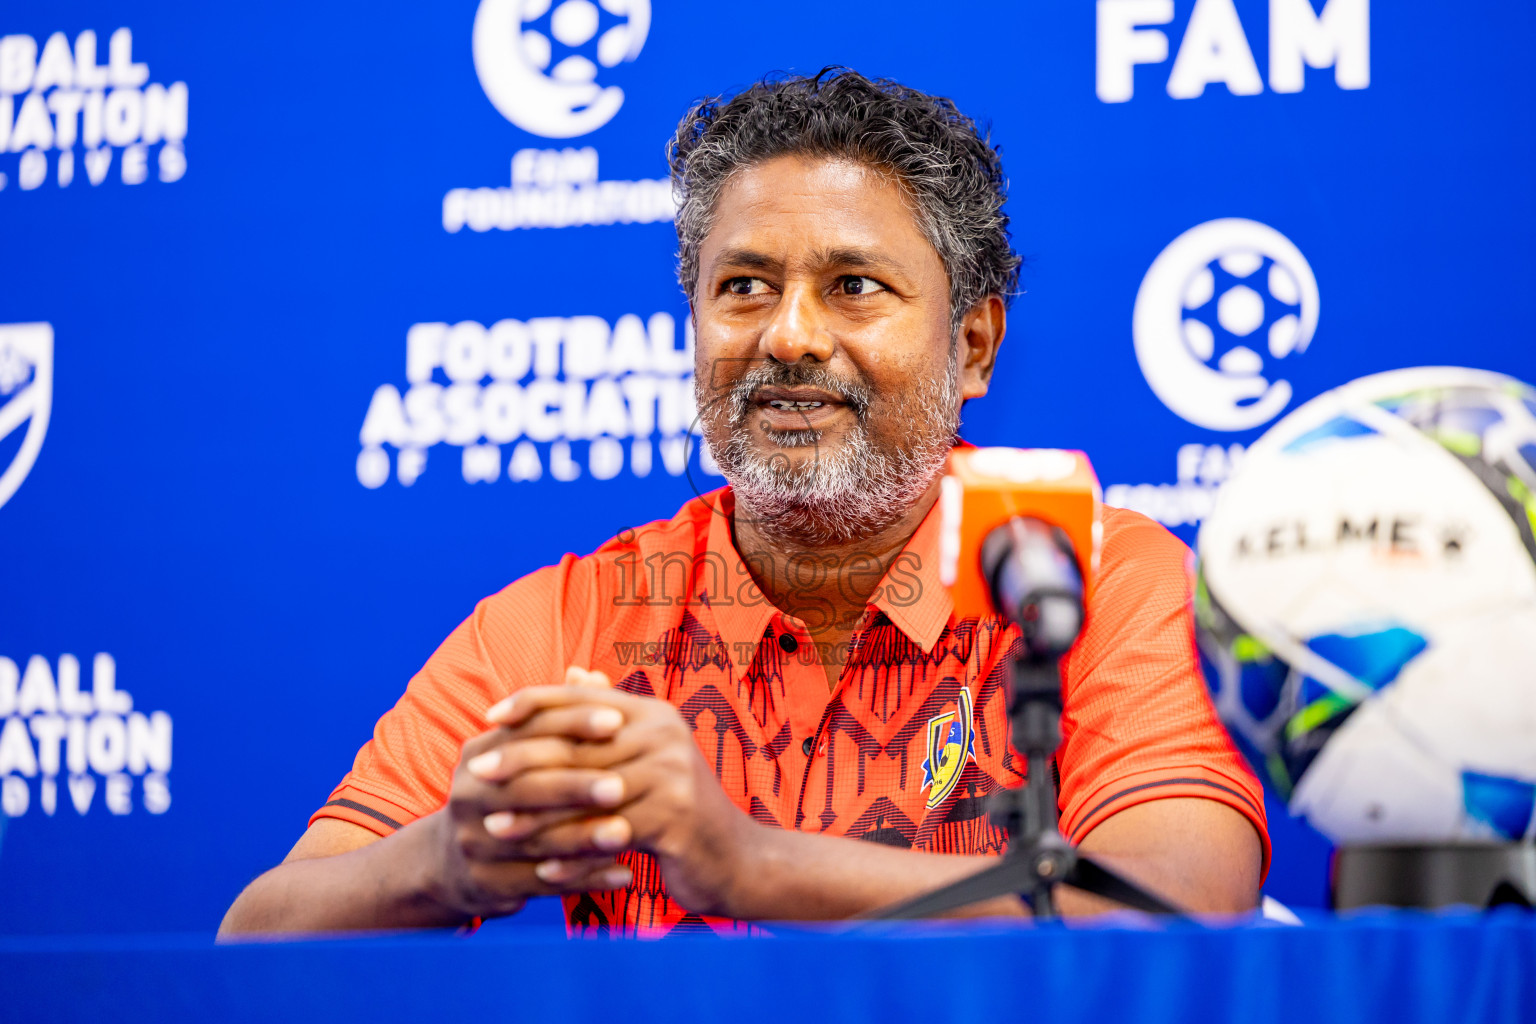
<point x="26" y="397"/>
<point x="951" y="743"/>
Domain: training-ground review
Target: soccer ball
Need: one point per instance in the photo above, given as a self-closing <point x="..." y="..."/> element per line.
<point x="1238" y="307"/>
<point x="1366" y="608"/>
<point x="573" y="31"/>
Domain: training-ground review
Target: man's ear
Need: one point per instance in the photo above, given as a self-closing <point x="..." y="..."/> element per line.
<point x="980" y="336"/>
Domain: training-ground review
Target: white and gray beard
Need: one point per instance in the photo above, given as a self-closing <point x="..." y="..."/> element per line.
<point x="841" y="495"/>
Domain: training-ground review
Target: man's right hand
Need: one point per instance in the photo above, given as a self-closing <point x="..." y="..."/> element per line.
<point x="515" y="826"/>
<point x="524" y="819"/>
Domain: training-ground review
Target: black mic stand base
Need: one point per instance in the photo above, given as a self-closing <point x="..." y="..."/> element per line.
<point x="1037" y="859"/>
<point x="1019" y="875"/>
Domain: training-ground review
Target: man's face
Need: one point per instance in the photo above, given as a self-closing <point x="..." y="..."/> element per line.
<point x="826" y="368"/>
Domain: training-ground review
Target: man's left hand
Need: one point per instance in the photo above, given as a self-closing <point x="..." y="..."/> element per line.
<point x="672" y="801"/>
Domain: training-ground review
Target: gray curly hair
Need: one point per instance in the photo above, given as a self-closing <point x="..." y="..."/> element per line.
<point x="944" y="162"/>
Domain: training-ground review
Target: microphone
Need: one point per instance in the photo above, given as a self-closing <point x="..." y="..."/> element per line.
<point x="1035" y="583"/>
<point x="1020" y="533"/>
<point x="1019" y="537"/>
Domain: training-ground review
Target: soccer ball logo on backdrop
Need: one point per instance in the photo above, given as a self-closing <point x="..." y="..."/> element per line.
<point x="539" y="62"/>
<point x="1220" y="313"/>
<point x="26" y="396"/>
<point x="1219" y="307"/>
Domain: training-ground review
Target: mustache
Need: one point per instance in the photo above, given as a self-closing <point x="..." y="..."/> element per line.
<point x="772" y="373"/>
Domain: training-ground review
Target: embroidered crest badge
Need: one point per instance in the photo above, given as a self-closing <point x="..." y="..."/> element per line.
<point x="951" y="743"/>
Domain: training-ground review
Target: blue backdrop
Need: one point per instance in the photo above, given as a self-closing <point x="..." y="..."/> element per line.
<point x="323" y="321"/>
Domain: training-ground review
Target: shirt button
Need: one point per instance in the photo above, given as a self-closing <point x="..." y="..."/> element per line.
<point x="788" y="642"/>
<point x="808" y="745"/>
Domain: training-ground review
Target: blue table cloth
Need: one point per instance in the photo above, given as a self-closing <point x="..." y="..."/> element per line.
<point x="1397" y="967"/>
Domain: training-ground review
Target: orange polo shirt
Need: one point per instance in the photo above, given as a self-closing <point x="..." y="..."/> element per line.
<point x="903" y="751"/>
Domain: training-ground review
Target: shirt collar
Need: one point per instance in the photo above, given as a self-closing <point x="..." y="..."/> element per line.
<point x="909" y="593"/>
<point x="743" y="617"/>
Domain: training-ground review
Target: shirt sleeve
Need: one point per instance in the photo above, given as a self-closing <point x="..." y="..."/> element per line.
<point x="1139" y="724"/>
<point x="525" y="635"/>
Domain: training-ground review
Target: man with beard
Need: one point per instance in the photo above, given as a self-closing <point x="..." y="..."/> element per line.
<point x="765" y="708"/>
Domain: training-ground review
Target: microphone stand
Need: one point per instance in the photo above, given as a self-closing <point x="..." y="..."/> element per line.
<point x="1038" y="858"/>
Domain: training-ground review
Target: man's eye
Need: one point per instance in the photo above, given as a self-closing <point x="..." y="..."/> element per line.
<point x="746" y="286"/>
<point x="852" y="285"/>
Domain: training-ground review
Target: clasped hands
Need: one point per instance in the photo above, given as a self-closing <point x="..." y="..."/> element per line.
<point x="573" y="775"/>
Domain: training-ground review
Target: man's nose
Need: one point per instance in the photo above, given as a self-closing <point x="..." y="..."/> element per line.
<point x="798" y="328"/>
